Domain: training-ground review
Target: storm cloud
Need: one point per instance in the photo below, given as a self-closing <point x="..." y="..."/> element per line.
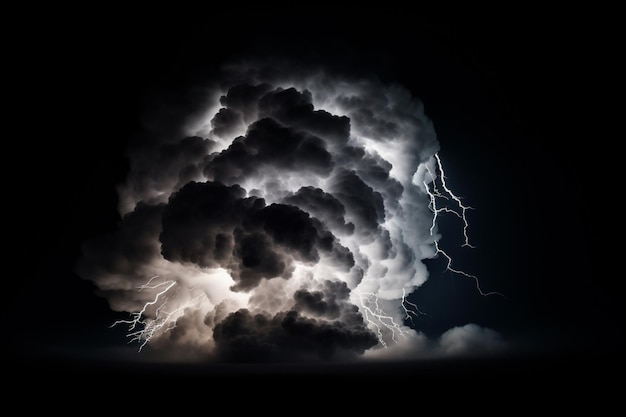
<point x="285" y="219"/>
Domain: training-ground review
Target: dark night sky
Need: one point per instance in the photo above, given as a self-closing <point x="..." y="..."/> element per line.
<point x="517" y="103"/>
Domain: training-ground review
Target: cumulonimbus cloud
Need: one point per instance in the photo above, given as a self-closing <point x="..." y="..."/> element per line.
<point x="286" y="218"/>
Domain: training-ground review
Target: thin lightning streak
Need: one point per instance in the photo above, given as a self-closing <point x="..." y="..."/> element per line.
<point x="372" y="312"/>
<point x="457" y="199"/>
<point x="434" y="194"/>
<point x="152" y="287"/>
<point x="375" y="315"/>
<point x="412" y="310"/>
<point x="164" y="320"/>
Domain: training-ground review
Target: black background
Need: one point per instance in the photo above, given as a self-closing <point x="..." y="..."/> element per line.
<point x="524" y="104"/>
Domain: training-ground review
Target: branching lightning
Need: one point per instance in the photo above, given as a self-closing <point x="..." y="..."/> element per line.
<point x="163" y="320"/>
<point x="375" y="316"/>
<point x="380" y="320"/>
<point x="410" y="309"/>
<point x="457" y="200"/>
<point x="434" y="194"/>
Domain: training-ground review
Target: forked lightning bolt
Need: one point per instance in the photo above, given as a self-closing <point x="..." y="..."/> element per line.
<point x="375" y="315"/>
<point x="380" y="320"/>
<point x="412" y="310"/>
<point x="436" y="193"/>
<point x="163" y="320"/>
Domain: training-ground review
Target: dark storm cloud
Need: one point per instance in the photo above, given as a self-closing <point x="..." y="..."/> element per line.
<point x="256" y="257"/>
<point x="322" y="205"/>
<point x="361" y="200"/>
<point x="269" y="144"/>
<point x="198" y="222"/>
<point x="180" y="160"/>
<point x="295" y="229"/>
<point x="243" y="99"/>
<point x="384" y="115"/>
<point x="328" y="302"/>
<point x="246" y="337"/>
<point x="226" y="122"/>
<point x="265" y="215"/>
<point x="213" y="225"/>
<point x="375" y="171"/>
<point x="374" y="127"/>
<point x="366" y="111"/>
<point x="294" y="108"/>
<point x="240" y="109"/>
<point x="313" y="303"/>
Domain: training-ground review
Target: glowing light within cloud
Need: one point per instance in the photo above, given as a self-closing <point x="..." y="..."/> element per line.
<point x="290" y="222"/>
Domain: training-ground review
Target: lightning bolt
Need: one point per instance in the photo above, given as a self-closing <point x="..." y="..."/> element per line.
<point x="457" y="200"/>
<point x="410" y="309"/>
<point x="436" y="193"/>
<point x="372" y="312"/>
<point x="163" y="320"/>
<point x="375" y="315"/>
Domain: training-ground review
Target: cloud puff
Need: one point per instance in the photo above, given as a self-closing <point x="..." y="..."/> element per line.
<point x="470" y="340"/>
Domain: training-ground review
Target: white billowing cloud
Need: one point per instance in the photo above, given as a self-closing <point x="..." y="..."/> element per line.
<point x="470" y="340"/>
<point x="409" y="346"/>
